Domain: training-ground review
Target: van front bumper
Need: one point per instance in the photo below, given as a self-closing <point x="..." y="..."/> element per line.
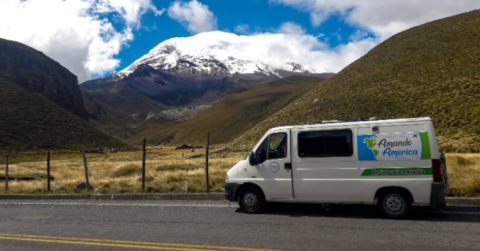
<point x="437" y="196"/>
<point x="231" y="191"/>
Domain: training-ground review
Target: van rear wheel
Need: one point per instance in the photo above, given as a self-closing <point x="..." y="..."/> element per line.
<point x="394" y="204"/>
<point x="251" y="200"/>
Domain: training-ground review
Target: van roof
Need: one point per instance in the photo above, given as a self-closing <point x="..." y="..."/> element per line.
<point x="333" y="123"/>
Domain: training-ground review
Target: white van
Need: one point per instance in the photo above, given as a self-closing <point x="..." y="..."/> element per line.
<point x="391" y="163"/>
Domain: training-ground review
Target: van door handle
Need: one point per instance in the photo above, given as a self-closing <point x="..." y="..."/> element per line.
<point x="288" y="166"/>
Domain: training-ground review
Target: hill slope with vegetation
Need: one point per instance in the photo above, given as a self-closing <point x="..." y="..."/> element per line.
<point x="30" y="121"/>
<point x="34" y="71"/>
<point x="231" y="117"/>
<point x="41" y="105"/>
<point x="430" y="70"/>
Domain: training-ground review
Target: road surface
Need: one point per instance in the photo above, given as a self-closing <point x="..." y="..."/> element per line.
<point x="218" y="225"/>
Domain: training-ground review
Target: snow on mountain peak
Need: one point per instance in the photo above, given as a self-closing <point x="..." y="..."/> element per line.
<point x="227" y="53"/>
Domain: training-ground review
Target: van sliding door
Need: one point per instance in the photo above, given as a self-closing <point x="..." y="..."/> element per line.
<point x="325" y="165"/>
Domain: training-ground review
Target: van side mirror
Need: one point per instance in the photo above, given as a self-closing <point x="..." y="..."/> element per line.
<point x="256" y="159"/>
<point x="252" y="159"/>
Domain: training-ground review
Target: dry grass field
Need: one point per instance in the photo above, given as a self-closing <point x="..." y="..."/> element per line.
<point x="119" y="172"/>
<point x="464" y="174"/>
<point x="165" y="171"/>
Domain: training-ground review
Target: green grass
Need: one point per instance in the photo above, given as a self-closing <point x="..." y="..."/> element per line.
<point x="29" y="121"/>
<point x="233" y="116"/>
<point x="430" y="70"/>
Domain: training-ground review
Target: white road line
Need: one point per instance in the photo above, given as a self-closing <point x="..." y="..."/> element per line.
<point x="172" y="205"/>
<point x="111" y="204"/>
<point x="474" y="213"/>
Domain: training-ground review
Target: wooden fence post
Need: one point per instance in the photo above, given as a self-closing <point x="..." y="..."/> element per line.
<point x="6" y="174"/>
<point x="206" y="162"/>
<point x="143" y="163"/>
<point x="186" y="180"/>
<point x="86" y="170"/>
<point x="48" y="171"/>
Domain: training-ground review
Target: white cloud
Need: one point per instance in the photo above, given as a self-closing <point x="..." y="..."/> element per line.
<point x="242" y="29"/>
<point x="358" y="35"/>
<point x="382" y="18"/>
<point x="194" y="16"/>
<point x="291" y="28"/>
<point x="75" y="32"/>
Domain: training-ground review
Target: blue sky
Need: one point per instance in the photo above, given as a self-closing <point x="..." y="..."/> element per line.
<point x="95" y="38"/>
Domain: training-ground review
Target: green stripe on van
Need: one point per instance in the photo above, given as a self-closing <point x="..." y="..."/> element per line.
<point x="411" y="171"/>
<point x="426" y="153"/>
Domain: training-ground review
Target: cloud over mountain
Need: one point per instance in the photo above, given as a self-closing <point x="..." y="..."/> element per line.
<point x="382" y="18"/>
<point x="273" y="49"/>
<point x="77" y="33"/>
<point x="193" y="15"/>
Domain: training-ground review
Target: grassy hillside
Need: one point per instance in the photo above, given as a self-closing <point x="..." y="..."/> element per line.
<point x="233" y="116"/>
<point x="30" y="121"/>
<point x="430" y="70"/>
<point x="34" y="71"/>
<point x="108" y="119"/>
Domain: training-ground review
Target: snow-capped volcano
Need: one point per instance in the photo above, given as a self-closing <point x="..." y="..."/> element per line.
<point x="183" y="76"/>
<point x="222" y="53"/>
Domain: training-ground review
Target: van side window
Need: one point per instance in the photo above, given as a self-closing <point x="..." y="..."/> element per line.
<point x="278" y="146"/>
<point x="335" y="143"/>
<point x="261" y="151"/>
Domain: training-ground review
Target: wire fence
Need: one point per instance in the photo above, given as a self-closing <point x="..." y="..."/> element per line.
<point x="187" y="170"/>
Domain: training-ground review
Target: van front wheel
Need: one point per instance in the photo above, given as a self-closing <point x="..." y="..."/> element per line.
<point x="251" y="200"/>
<point x="394" y="204"/>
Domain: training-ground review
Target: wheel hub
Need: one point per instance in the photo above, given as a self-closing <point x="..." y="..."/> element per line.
<point x="394" y="204"/>
<point x="250" y="200"/>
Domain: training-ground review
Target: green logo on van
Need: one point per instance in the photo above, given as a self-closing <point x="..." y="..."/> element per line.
<point x="393" y="146"/>
<point x="397" y="171"/>
<point x="371" y="143"/>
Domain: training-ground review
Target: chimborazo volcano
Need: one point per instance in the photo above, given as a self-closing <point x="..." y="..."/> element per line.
<point x="179" y="78"/>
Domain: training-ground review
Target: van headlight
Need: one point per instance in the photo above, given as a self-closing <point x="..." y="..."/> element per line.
<point x="226" y="178"/>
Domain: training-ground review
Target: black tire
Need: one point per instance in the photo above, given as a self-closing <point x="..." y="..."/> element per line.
<point x="251" y="200"/>
<point x="394" y="203"/>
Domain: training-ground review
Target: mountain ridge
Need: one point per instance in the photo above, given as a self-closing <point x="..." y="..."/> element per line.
<point x="34" y="71"/>
<point x="41" y="106"/>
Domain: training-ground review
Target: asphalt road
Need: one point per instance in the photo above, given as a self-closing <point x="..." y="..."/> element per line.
<point x="218" y="225"/>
